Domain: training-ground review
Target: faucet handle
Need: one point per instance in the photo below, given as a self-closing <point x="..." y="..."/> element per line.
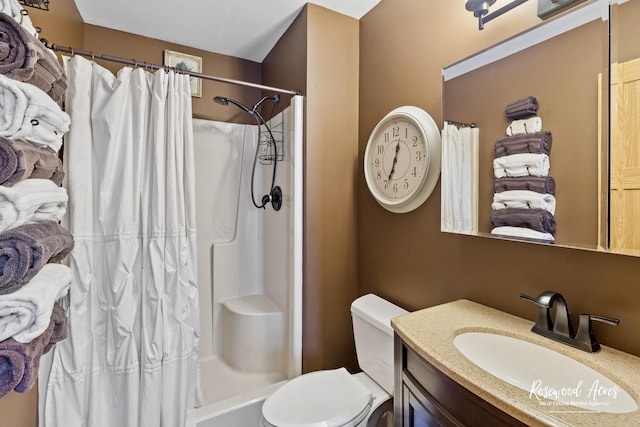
<point x="544" y="315"/>
<point x="585" y="333"/>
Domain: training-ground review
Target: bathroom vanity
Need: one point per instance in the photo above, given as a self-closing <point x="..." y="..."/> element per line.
<point x="437" y="385"/>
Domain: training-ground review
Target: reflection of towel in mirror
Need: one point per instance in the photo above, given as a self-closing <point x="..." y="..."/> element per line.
<point x="523" y="199"/>
<point x="19" y="362"/>
<point x="522" y="232"/>
<point x="530" y="125"/>
<point x="537" y="219"/>
<point x="21" y="160"/>
<point x="17" y="12"/>
<point x="520" y="108"/>
<point x="24" y="250"/>
<point x="521" y="165"/>
<point x="60" y="327"/>
<point x="26" y="112"/>
<point x="31" y="200"/>
<point x="539" y="184"/>
<point x="539" y="143"/>
<point x="23" y="57"/>
<point x="26" y="313"/>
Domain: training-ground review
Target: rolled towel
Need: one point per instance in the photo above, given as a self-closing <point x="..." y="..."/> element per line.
<point x="19" y="357"/>
<point x="530" y="125"/>
<point x="23" y="57"/>
<point x="17" y="12"/>
<point x="24" y="250"/>
<point x="525" y="164"/>
<point x="538" y="143"/>
<point x="32" y="200"/>
<point x="26" y="112"/>
<point x="537" y="219"/>
<point x="21" y="160"/>
<point x="524" y="107"/>
<point x="523" y="232"/>
<point x="60" y="327"/>
<point x="524" y="199"/>
<point x="26" y="313"/>
<point x="539" y="184"/>
<point x="11" y="369"/>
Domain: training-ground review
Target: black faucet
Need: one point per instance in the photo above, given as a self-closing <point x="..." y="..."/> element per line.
<point x="560" y="327"/>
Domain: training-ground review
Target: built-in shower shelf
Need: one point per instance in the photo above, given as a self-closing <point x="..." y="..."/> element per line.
<point x="252" y="305"/>
<point x="253" y="334"/>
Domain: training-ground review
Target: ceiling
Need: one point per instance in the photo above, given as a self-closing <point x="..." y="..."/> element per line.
<point x="245" y="29"/>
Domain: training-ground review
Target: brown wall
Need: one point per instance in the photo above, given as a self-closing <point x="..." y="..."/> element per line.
<point x="319" y="54"/>
<point x="405" y="257"/>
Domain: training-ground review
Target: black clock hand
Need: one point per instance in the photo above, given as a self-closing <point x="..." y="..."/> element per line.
<point x="393" y="165"/>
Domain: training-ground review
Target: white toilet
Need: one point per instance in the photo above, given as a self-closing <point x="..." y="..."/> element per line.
<point x="335" y="397"/>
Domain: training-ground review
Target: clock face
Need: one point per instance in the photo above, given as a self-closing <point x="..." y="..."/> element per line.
<point x="402" y="159"/>
<point x="398" y="159"/>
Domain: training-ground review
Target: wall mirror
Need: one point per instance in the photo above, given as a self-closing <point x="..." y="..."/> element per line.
<point x="563" y="63"/>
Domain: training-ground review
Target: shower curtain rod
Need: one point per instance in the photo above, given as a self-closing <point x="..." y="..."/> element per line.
<point x="92" y="55"/>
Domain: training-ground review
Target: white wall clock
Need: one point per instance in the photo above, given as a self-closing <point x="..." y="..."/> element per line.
<point x="402" y="159"/>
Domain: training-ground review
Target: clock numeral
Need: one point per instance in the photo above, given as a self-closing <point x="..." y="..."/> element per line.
<point x="379" y="175"/>
<point x="418" y="156"/>
<point x="414" y="172"/>
<point x="395" y="187"/>
<point x="380" y="149"/>
<point x="406" y="132"/>
<point x="377" y="163"/>
<point x="415" y="141"/>
<point x="386" y="137"/>
<point x="396" y="131"/>
<point x="406" y="183"/>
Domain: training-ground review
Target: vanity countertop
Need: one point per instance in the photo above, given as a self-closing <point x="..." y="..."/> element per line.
<point x="430" y="332"/>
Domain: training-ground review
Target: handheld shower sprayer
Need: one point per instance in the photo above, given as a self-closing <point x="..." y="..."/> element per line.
<point x="275" y="193"/>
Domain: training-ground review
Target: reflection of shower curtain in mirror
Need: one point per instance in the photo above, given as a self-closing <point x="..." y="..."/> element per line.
<point x="624" y="195"/>
<point x="130" y="359"/>
<point x="459" y="180"/>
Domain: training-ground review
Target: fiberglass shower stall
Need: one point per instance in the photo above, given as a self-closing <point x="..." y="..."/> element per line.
<point x="249" y="260"/>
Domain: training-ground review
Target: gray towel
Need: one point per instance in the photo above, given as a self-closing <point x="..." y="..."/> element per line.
<point x="539" y="184"/>
<point x="19" y="363"/>
<point x="25" y="249"/>
<point x="60" y="327"/>
<point x="23" y="57"/>
<point x="21" y="160"/>
<point x="536" y="219"/>
<point x="537" y="143"/>
<point x="521" y="108"/>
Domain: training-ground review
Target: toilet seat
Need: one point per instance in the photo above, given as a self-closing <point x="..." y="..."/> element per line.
<point x="318" y="399"/>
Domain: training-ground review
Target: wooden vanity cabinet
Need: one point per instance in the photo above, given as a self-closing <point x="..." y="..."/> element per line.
<point x="425" y="397"/>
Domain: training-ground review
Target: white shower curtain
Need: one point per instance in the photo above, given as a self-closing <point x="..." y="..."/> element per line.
<point x="459" y="181"/>
<point x="130" y="358"/>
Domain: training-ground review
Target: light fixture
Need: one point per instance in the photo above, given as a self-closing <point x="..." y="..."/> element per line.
<point x="480" y="9"/>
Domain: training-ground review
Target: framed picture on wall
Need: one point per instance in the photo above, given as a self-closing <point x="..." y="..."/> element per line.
<point x="185" y="62"/>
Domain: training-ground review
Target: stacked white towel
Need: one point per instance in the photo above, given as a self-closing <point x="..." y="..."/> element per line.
<point x="523" y="164"/>
<point x="524" y="232"/>
<point x="26" y="112"/>
<point x="26" y="313"/>
<point x="530" y="125"/>
<point x="524" y="199"/>
<point x="31" y="200"/>
<point x="17" y="12"/>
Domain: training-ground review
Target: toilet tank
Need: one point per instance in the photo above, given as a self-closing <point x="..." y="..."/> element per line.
<point x="371" y="316"/>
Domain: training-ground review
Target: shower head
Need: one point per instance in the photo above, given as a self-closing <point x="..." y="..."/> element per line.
<point x="225" y="101"/>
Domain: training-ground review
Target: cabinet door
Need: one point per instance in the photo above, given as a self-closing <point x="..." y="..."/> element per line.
<point x="422" y="410"/>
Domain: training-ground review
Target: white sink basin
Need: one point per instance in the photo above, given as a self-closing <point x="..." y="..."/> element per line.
<point x="552" y="379"/>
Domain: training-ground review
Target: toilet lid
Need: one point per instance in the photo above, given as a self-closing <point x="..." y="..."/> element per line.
<point x="318" y="399"/>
